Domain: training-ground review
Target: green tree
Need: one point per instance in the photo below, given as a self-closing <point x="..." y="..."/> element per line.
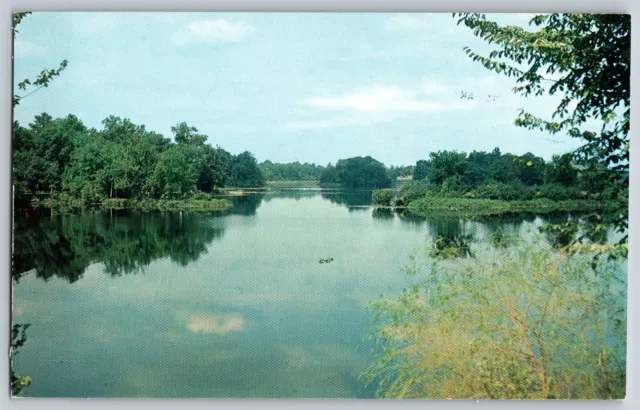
<point x="447" y="164"/>
<point x="92" y="174"/>
<point x="177" y="171"/>
<point x="215" y="172"/>
<point x="244" y="171"/>
<point x="561" y="171"/>
<point x="589" y="56"/>
<point x="186" y="135"/>
<point x="421" y="170"/>
<point x="43" y="151"/>
<point x="293" y="171"/>
<point x="362" y="172"/>
<point x="329" y="175"/>
<point x="531" y="169"/>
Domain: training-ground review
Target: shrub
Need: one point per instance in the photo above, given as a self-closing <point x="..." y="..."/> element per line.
<point x="91" y="193"/>
<point x="452" y="187"/>
<point x="507" y="192"/>
<point x="201" y="196"/>
<point x="556" y="192"/>
<point x="383" y="197"/>
<point x="415" y="190"/>
<point x="525" y="322"/>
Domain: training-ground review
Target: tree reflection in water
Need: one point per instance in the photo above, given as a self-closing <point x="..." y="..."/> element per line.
<point x="125" y="242"/>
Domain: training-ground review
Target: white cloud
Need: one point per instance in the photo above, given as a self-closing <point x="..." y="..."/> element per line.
<point x="407" y="22"/>
<point x="386" y="98"/>
<point x="382" y="104"/>
<point x="203" y="31"/>
<point x="22" y="48"/>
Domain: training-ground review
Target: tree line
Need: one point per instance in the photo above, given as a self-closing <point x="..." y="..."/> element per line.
<point x="494" y="175"/>
<point x="293" y="171"/>
<point x="123" y="160"/>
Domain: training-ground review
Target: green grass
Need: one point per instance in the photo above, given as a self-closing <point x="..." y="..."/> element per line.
<point x="441" y="205"/>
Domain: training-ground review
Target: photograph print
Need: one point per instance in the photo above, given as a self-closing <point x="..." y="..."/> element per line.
<point x="320" y="205"/>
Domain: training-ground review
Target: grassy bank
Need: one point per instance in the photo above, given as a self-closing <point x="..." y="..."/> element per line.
<point x="67" y="203"/>
<point x="438" y="205"/>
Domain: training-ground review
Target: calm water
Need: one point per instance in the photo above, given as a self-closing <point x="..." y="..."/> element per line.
<point x="197" y="305"/>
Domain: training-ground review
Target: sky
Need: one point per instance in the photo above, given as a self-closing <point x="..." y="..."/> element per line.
<point x="284" y="86"/>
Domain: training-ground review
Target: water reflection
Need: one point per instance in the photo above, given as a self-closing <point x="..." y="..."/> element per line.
<point x="353" y="200"/>
<point x="383" y="213"/>
<point x="246" y="204"/>
<point x="291" y="193"/>
<point x="125" y="242"/>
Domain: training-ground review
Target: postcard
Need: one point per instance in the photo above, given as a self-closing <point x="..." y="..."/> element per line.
<point x="320" y="205"/>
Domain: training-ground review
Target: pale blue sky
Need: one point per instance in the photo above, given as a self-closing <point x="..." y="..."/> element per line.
<point x="285" y="86"/>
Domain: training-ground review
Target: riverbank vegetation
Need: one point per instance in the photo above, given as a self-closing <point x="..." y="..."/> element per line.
<point x="123" y="161"/>
<point x="532" y="321"/>
<point x="293" y="171"/>
<point x="63" y="202"/>
<point x="518" y="322"/>
<point x="494" y="175"/>
<point x="357" y="172"/>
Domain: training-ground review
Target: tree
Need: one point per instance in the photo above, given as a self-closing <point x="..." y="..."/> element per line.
<point x="447" y="164"/>
<point x="215" y="172"/>
<point x="176" y="173"/>
<point x="46" y="75"/>
<point x="561" y="171"/>
<point x="421" y="170"/>
<point x="43" y="151"/>
<point x="589" y="55"/>
<point x="531" y="169"/>
<point x="186" y="135"/>
<point x="329" y="175"/>
<point x="244" y="171"/>
<point x="293" y="171"/>
<point x="92" y="172"/>
<point x="362" y="172"/>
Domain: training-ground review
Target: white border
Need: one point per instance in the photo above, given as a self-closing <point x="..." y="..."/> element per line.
<point x="610" y="6"/>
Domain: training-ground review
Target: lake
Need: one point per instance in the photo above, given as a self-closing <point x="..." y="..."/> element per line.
<point x="199" y="305"/>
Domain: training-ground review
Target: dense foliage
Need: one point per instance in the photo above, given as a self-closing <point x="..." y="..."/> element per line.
<point x="589" y="57"/>
<point x="123" y="160"/>
<point x="357" y="172"/>
<point x="294" y="171"/>
<point x="529" y="323"/>
<point x="493" y="175"/>
<point x="383" y="197"/>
